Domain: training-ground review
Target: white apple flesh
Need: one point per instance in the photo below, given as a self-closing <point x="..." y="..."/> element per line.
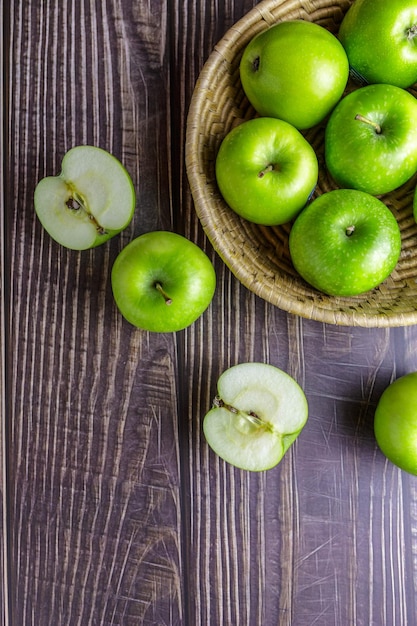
<point x="258" y="413"/>
<point x="90" y="201"/>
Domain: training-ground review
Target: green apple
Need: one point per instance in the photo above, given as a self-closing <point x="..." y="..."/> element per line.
<point x="371" y="139"/>
<point x="345" y="242"/>
<point x="266" y="170"/>
<point x="90" y="201"/>
<point x="294" y="70"/>
<point x="380" y="41"/>
<point x="395" y="423"/>
<point x="162" y="282"/>
<point x="257" y="414"/>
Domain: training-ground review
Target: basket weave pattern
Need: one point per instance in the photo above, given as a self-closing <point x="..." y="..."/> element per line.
<point x="257" y="255"/>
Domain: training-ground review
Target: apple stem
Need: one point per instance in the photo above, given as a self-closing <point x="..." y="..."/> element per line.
<point x="364" y="119"/>
<point x="251" y="416"/>
<point x="159" y="288"/>
<point x="412" y="32"/>
<point x="268" y="168"/>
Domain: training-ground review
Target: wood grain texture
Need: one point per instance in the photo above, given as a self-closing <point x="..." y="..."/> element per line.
<point x="119" y="512"/>
<point x="94" y="445"/>
<point x="4" y="403"/>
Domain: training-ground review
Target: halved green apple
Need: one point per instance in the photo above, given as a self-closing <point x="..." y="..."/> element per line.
<point x="90" y="201"/>
<point x="258" y="413"/>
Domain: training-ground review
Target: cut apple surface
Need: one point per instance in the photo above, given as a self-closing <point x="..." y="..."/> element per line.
<point x="90" y="201"/>
<point x="257" y="414"/>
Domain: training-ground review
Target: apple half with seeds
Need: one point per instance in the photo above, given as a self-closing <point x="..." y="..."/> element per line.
<point x="257" y="414"/>
<point x="90" y="201"/>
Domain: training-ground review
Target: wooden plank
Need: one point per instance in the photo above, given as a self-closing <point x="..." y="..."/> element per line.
<point x="120" y="513"/>
<point x="4" y="408"/>
<point x="328" y="537"/>
<point x="94" y="447"/>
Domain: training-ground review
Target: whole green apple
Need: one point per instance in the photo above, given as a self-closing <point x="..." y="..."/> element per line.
<point x="90" y="201"/>
<point x="380" y="41"/>
<point x="345" y="242"/>
<point x="395" y="423"/>
<point x="295" y="71"/>
<point x="162" y="282"/>
<point x="258" y="413"/>
<point x="371" y="139"/>
<point x="266" y="170"/>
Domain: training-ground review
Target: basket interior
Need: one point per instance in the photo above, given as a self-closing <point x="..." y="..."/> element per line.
<point x="258" y="255"/>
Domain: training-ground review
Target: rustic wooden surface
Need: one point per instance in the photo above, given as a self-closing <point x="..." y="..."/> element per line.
<point x="115" y="511"/>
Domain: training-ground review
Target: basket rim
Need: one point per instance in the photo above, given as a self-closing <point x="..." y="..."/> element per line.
<point x="343" y="311"/>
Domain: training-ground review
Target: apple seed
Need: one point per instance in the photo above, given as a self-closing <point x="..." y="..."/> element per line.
<point x="76" y="203"/>
<point x="73" y="204"/>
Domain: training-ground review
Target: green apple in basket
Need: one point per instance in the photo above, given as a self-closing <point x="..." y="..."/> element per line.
<point x="258" y="412"/>
<point x="345" y="242"/>
<point x="90" y="201"/>
<point x="395" y="423"/>
<point x="266" y="170"/>
<point x="296" y="71"/>
<point x="371" y="139"/>
<point x="379" y="37"/>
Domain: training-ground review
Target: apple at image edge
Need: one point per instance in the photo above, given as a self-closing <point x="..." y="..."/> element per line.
<point x="380" y="39"/>
<point x="162" y="282"/>
<point x="377" y="122"/>
<point x="90" y="201"/>
<point x="258" y="412"/>
<point x="395" y="422"/>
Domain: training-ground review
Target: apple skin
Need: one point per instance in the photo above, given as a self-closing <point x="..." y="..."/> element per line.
<point x="181" y="269"/>
<point x="345" y="242"/>
<point x="357" y="155"/>
<point x="296" y="71"/>
<point x="380" y="41"/>
<point x="266" y="170"/>
<point x="97" y="179"/>
<point x="395" y="422"/>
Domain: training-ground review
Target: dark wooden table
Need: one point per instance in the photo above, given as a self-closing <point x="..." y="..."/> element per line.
<point x="115" y="511"/>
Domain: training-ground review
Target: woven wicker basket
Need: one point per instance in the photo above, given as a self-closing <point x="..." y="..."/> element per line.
<point x="258" y="255"/>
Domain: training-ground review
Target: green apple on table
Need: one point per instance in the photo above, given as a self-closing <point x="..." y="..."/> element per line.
<point x="162" y="282"/>
<point x="379" y="37"/>
<point x="266" y="170"/>
<point x="371" y="139"/>
<point x="294" y="70"/>
<point x="345" y="242"/>
<point x="257" y="414"/>
<point x="90" y="201"/>
<point x="395" y="422"/>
